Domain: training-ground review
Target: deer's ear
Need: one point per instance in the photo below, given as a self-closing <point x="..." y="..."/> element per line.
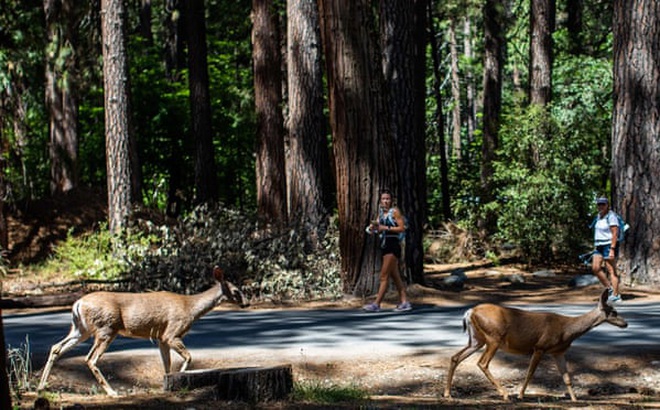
<point x="218" y="274"/>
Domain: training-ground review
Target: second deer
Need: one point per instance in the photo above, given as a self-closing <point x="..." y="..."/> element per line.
<point x="522" y="332"/>
<point x="162" y="316"/>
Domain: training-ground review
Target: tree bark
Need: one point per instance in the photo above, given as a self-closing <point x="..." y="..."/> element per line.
<point x="206" y="179"/>
<point x="574" y="25"/>
<point x="455" y="92"/>
<point x="403" y="31"/>
<point x="439" y="117"/>
<point x="542" y="26"/>
<point x="270" y="165"/>
<point x="61" y="95"/>
<point x="362" y="142"/>
<point x="309" y="174"/>
<point x="250" y="385"/>
<point x="470" y="99"/>
<point x="175" y="63"/>
<point x="494" y="46"/>
<point x="117" y="119"/>
<point x="636" y="126"/>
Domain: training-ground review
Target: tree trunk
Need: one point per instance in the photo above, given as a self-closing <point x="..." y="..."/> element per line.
<point x="61" y="99"/>
<point x="470" y="99"/>
<point x="175" y="63"/>
<point x="267" y="60"/>
<point x="145" y="22"/>
<point x="439" y="117"/>
<point x="542" y="26"/>
<point x="250" y="385"/>
<point x="310" y="178"/>
<point x="362" y="142"/>
<point x="455" y="92"/>
<point x="492" y="102"/>
<point x="206" y="179"/>
<point x="117" y="119"/>
<point x="4" y="229"/>
<point x="636" y="126"/>
<point x="403" y="30"/>
<point x="574" y="25"/>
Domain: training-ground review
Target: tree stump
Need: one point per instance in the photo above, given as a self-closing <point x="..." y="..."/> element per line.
<point x="252" y="384"/>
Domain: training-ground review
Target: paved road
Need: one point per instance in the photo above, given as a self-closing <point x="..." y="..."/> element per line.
<point x="329" y="332"/>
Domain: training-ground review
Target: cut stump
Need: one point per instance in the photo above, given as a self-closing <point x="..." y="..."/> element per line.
<point x="251" y="384"/>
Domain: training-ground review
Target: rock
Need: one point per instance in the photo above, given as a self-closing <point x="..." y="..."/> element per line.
<point x="515" y="278"/>
<point x="544" y="273"/>
<point x="581" y="281"/>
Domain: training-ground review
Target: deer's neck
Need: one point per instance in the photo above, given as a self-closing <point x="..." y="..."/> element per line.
<point x="202" y="303"/>
<point x="579" y="325"/>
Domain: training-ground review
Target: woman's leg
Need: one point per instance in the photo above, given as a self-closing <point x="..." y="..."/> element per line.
<point x="384" y="278"/>
<point x="610" y="265"/>
<point x="392" y="264"/>
<point x="597" y="268"/>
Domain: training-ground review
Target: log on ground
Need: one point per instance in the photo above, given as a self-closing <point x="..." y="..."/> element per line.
<point x="252" y="384"/>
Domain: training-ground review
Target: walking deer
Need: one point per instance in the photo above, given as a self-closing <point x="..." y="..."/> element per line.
<point x="522" y="332"/>
<point x="163" y="316"/>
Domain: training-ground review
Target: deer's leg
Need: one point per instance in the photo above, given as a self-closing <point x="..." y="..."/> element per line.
<point x="165" y="356"/>
<point x="101" y="343"/>
<point x="456" y="359"/>
<point x="180" y="348"/>
<point x="74" y="337"/>
<point x="560" y="360"/>
<point x="533" y="363"/>
<point x="483" y="363"/>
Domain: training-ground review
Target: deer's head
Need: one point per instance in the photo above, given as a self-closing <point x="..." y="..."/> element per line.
<point x="230" y="292"/>
<point x="611" y="315"/>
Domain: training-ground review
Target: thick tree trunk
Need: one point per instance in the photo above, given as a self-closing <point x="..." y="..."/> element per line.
<point x="441" y="149"/>
<point x="250" y="385"/>
<point x="61" y="100"/>
<point x="175" y="63"/>
<point x="117" y="119"/>
<point x="362" y="142"/>
<point x="636" y="127"/>
<point x="270" y="166"/>
<point x="492" y="101"/>
<point x="403" y="30"/>
<point x="206" y="179"/>
<point x="542" y="26"/>
<point x="309" y="173"/>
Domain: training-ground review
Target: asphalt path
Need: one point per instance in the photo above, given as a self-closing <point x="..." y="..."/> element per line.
<point x="324" y="333"/>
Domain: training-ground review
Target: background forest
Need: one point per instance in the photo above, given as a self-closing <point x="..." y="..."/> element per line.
<point x="258" y="132"/>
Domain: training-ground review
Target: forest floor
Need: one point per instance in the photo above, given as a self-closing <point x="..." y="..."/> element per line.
<point x="602" y="379"/>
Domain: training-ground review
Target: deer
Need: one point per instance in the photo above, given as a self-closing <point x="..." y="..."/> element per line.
<point x="162" y="316"/>
<point x="523" y="332"/>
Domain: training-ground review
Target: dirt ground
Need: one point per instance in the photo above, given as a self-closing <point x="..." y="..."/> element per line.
<point x="602" y="379"/>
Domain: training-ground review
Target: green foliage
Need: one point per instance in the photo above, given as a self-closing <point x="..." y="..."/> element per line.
<point x="546" y="180"/>
<point x="100" y="255"/>
<point x="315" y="391"/>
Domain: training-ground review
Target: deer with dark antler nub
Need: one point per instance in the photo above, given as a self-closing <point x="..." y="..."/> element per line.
<point x="522" y="332"/>
<point x="162" y="316"/>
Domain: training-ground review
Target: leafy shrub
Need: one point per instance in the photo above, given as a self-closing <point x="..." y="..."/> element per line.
<point x="268" y="264"/>
<point x="546" y="184"/>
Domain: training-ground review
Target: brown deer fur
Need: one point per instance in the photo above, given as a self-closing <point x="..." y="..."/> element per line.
<point x="530" y="333"/>
<point x="162" y="316"/>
